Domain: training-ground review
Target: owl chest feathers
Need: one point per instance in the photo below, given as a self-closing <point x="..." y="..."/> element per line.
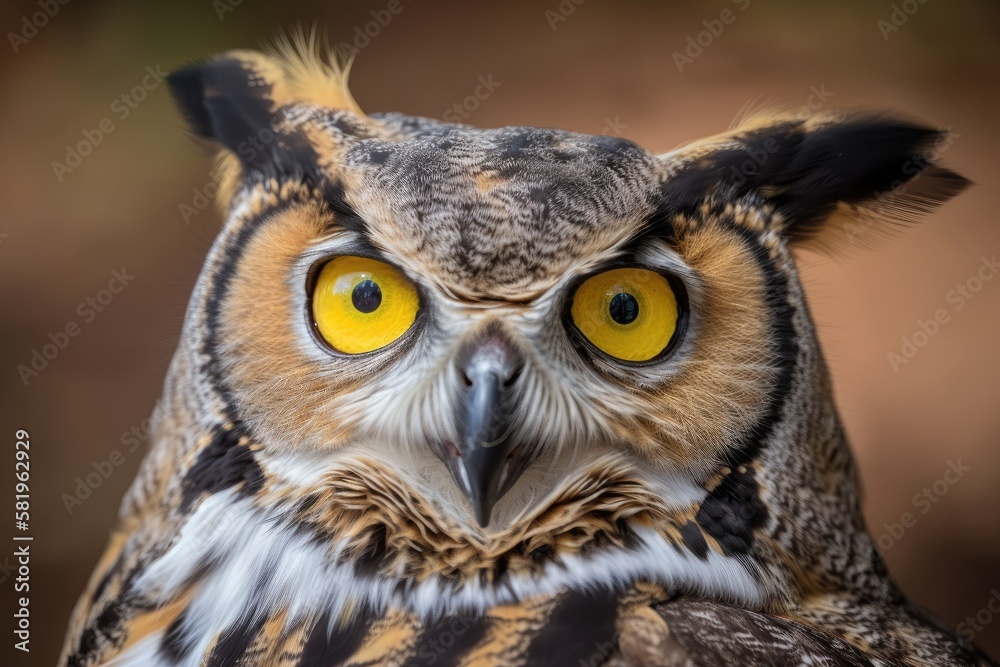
<point x="354" y="544"/>
<point x="357" y="535"/>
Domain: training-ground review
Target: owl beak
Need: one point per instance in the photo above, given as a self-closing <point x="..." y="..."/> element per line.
<point x="484" y="462"/>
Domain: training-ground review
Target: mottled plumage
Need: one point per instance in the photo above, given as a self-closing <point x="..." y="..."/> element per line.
<point x="493" y="487"/>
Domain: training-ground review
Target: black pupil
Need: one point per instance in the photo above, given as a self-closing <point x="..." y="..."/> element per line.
<point x="367" y="296"/>
<point x="624" y="308"/>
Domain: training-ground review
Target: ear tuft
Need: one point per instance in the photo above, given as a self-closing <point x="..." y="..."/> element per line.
<point x="233" y="98"/>
<point x="873" y="221"/>
<point x="188" y="88"/>
<point x="313" y="71"/>
<point x="862" y="173"/>
<point x="884" y="169"/>
<point x="224" y="99"/>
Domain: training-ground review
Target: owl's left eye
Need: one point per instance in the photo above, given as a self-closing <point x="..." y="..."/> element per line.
<point x="630" y="313"/>
<point x="361" y="304"/>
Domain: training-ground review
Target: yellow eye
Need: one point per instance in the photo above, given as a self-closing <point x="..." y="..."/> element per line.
<point x="361" y="304"/>
<point x="630" y="314"/>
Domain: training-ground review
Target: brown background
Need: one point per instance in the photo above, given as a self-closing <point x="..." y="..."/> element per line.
<point x="607" y="64"/>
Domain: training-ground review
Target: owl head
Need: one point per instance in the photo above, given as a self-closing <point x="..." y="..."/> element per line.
<point x="484" y="313"/>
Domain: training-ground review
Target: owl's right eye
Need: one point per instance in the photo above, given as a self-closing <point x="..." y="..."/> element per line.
<point x="361" y="304"/>
<point x="629" y="313"/>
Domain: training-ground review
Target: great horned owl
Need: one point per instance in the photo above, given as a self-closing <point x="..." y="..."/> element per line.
<point x="507" y="397"/>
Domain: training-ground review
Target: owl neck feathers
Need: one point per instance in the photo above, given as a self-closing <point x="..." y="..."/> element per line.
<point x="373" y="519"/>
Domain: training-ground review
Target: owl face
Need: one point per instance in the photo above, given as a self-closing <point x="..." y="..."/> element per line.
<point x="493" y="298"/>
<point x="486" y="310"/>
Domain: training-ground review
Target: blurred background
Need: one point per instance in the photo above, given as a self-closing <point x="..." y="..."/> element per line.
<point x="98" y="177"/>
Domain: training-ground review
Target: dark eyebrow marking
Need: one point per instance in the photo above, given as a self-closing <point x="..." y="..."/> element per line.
<point x="361" y="247"/>
<point x="344" y="215"/>
<point x="659" y="225"/>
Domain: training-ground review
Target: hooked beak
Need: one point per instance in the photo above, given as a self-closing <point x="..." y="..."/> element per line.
<point x="486" y="461"/>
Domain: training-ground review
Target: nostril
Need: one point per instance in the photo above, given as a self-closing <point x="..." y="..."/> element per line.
<point x="466" y="380"/>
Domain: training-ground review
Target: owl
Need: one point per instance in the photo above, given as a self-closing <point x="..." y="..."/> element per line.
<point x="507" y="397"/>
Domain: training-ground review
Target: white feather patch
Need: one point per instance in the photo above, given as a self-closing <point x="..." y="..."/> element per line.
<point x="258" y="566"/>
